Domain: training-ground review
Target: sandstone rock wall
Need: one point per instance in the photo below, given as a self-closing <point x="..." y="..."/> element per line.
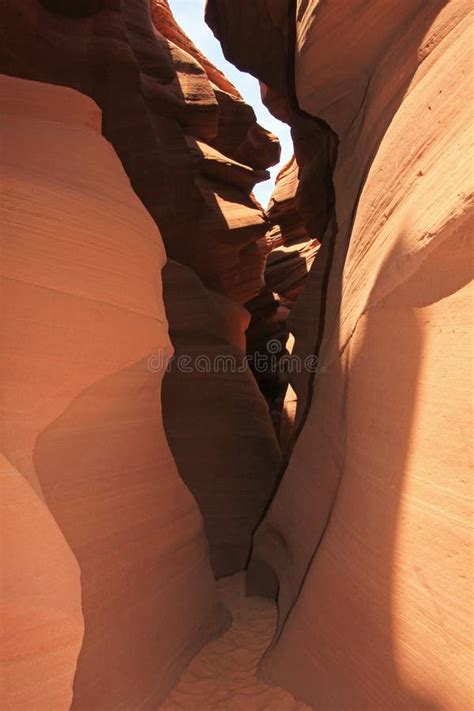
<point x="42" y="621"/>
<point x="267" y="53"/>
<point x="366" y="542"/>
<point x="288" y="266"/>
<point x="106" y="584"/>
<point x="293" y="250"/>
<point x="216" y="420"/>
<point x="301" y="208"/>
<point x="155" y="90"/>
<point x="193" y="152"/>
<point x="369" y="532"/>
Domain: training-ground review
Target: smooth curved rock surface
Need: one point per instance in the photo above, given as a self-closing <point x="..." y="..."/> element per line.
<point x="89" y="464"/>
<point x="367" y="541"/>
<point x="369" y="532"/>
<point x="42" y="622"/>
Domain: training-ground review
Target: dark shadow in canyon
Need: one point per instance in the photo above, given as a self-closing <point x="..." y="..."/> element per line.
<point x="74" y="8"/>
<point x="215" y="420"/>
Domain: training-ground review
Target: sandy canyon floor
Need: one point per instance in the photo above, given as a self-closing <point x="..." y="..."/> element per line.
<point x="223" y="676"/>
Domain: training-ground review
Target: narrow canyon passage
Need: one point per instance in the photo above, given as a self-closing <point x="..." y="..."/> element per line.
<point x="236" y="463"/>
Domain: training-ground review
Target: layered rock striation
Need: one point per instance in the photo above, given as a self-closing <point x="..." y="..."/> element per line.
<point x="301" y="209"/>
<point x="107" y="590"/>
<point x="193" y="152"/>
<point x="189" y="143"/>
<point x="366" y="542"/>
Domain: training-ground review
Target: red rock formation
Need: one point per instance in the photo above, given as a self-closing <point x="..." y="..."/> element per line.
<point x="267" y="53"/>
<point x="302" y="204"/>
<point x="293" y="249"/>
<point x="42" y="622"/>
<point x="164" y="22"/>
<point x="368" y="533"/>
<point x="90" y="478"/>
<point x="193" y="152"/>
<point x="215" y="418"/>
<point x="402" y="319"/>
<point x="366" y="540"/>
<point x="155" y="90"/>
<point x="286" y="274"/>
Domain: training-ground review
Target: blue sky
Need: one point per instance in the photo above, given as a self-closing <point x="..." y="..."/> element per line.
<point x="190" y="16"/>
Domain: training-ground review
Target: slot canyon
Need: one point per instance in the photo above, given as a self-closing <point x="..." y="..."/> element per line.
<point x="236" y="438"/>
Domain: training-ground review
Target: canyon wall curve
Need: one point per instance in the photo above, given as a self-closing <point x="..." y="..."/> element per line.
<point x="151" y="472"/>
